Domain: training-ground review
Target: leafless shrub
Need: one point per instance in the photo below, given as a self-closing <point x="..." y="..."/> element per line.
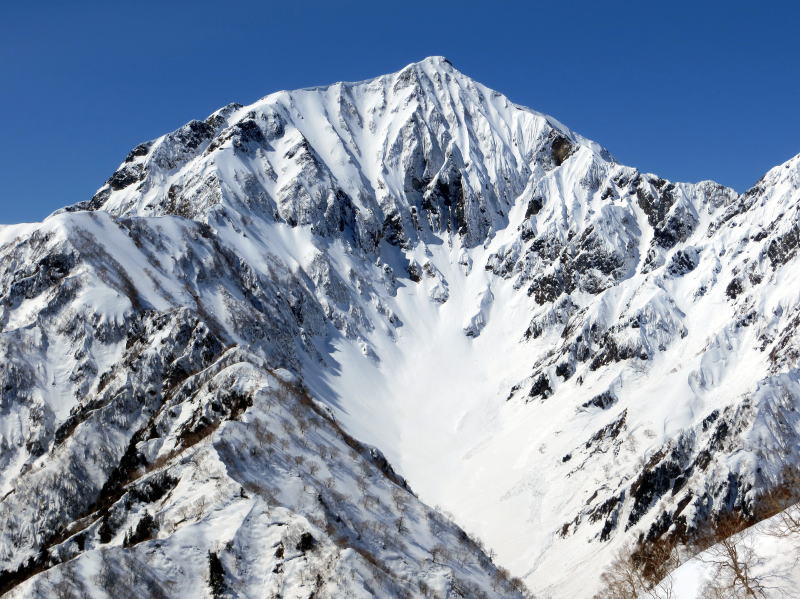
<point x="197" y="508"/>
<point x="65" y="586"/>
<point x="632" y="574"/>
<point x="782" y="500"/>
<point x="786" y="523"/>
<point x="324" y="451"/>
<point x="334" y="452"/>
<point x="366" y="469"/>
<point x="264" y="436"/>
<point x="104" y="577"/>
<point x="338" y="497"/>
<point x="281" y="393"/>
<point x="734" y="563"/>
<point x="297" y="410"/>
<point x="303" y="425"/>
<point x="400" y="499"/>
<point x="160" y="461"/>
<point x="503" y="582"/>
<point x="400" y="525"/>
<point x="436" y="522"/>
<point x="439" y="554"/>
<point x="520" y="587"/>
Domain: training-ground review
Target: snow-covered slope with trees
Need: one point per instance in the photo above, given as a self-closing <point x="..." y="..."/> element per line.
<point x="761" y="561"/>
<point x="206" y="363"/>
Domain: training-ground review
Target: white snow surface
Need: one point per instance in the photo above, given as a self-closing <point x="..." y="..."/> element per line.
<point x="561" y="352"/>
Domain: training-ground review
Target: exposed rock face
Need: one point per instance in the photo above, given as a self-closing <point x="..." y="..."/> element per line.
<point x="226" y="372"/>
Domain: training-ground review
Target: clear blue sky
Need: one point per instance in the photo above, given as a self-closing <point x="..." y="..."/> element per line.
<point x="690" y="90"/>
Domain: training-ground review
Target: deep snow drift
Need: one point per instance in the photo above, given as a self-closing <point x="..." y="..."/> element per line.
<point x="565" y="354"/>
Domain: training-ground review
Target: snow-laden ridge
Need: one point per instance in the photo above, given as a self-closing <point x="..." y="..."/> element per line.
<point x="566" y="354"/>
<point x="375" y="156"/>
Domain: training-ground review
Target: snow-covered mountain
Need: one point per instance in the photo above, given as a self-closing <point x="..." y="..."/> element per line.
<point x="251" y="364"/>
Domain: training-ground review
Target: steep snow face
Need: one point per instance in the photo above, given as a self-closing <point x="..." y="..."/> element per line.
<point x="564" y="353"/>
<point x="568" y="425"/>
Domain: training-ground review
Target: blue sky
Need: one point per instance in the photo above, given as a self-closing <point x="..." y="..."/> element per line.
<point x="690" y="90"/>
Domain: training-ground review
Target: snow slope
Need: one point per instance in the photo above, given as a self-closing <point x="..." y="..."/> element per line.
<point x="563" y="353"/>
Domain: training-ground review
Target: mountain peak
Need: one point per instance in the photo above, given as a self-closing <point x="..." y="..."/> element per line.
<point x="426" y="139"/>
<point x="438" y="62"/>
